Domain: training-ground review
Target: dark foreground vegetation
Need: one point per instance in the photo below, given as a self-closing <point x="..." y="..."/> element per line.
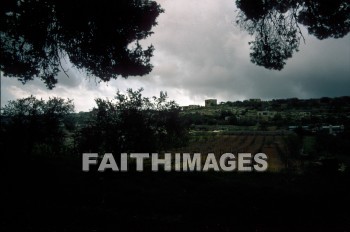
<point x="45" y="189"/>
<point x="53" y="194"/>
<point x="128" y="123"/>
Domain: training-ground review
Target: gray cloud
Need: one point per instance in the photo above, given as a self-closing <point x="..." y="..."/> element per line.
<point x="200" y="53"/>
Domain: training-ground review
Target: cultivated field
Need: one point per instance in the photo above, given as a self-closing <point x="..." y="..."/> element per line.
<point x="272" y="145"/>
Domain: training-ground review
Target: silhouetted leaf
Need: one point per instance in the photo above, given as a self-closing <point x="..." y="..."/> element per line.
<point x="275" y="24"/>
<point x="101" y="37"/>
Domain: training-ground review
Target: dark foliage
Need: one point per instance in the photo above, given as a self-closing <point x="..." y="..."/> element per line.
<point x="133" y="123"/>
<point x="275" y="24"/>
<point x="30" y="124"/>
<point x="56" y="196"/>
<point x="99" y="37"/>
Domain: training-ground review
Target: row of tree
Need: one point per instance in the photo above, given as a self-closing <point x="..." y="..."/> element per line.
<point x="128" y="123"/>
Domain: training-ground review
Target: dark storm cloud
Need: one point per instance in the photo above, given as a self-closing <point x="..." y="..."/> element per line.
<point x="200" y="53"/>
<point x="217" y="63"/>
<point x="69" y="79"/>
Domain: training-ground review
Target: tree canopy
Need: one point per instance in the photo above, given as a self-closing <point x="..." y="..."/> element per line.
<point x="29" y="123"/>
<point x="100" y="37"/>
<point x="275" y="25"/>
<point x="133" y="123"/>
<point x="128" y="123"/>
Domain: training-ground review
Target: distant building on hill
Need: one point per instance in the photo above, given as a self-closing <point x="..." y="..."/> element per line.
<point x="211" y="102"/>
<point x="266" y="115"/>
<point x="191" y="107"/>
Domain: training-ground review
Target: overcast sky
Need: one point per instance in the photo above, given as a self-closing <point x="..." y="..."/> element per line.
<point x="200" y="53"/>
